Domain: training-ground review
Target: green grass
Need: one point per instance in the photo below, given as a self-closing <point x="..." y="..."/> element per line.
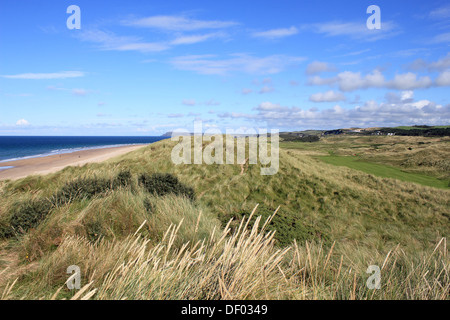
<point x="384" y="171"/>
<point x="428" y="156"/>
<point x="411" y="127"/>
<point x="332" y="223"/>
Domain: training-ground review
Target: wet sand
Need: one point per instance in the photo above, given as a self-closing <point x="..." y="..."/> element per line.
<point x="54" y="163"/>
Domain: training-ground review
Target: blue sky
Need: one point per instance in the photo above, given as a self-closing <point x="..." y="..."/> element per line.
<point x="147" y="67"/>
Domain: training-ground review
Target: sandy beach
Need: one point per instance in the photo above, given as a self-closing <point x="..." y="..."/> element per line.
<point x="54" y="163"/>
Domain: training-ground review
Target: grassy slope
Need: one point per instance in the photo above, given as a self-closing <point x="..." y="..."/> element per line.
<point x="384" y="171"/>
<point x="422" y="155"/>
<point x="411" y="127"/>
<point x="367" y="216"/>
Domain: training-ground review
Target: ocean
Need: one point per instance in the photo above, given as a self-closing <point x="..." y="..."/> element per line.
<point x="16" y="148"/>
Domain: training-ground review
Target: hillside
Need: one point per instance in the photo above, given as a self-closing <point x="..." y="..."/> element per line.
<point x="332" y="223"/>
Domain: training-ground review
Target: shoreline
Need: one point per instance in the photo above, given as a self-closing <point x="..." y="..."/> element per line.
<point x="67" y="151"/>
<point x="21" y="168"/>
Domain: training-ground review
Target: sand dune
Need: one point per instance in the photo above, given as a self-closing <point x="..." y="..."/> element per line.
<point x="54" y="163"/>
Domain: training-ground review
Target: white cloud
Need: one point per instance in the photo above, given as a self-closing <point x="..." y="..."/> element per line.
<point x="369" y="114"/>
<point x="178" y="23"/>
<point x="441" y="13"/>
<point x="266" y="89"/>
<point x="246" y="91"/>
<point x="443" y="79"/>
<point x="407" y="96"/>
<point x="441" y="64"/>
<point x="46" y="76"/>
<point x="76" y="91"/>
<point x="55" y="88"/>
<point x="403" y="97"/>
<point x="409" y="81"/>
<point x="354" y="53"/>
<point x="264" y="81"/>
<point x="356" y="99"/>
<point x="410" y="52"/>
<point x="269" y="106"/>
<point x="212" y="102"/>
<point x="191" y="39"/>
<point x="441" y="38"/>
<point x="318" y="81"/>
<point x="348" y="81"/>
<point x="80" y="92"/>
<point x="329" y="96"/>
<point x="142" y="47"/>
<point x="22" y="123"/>
<point x="110" y="41"/>
<point x="355" y="30"/>
<point x="18" y="94"/>
<point x="417" y="65"/>
<point x="211" y="64"/>
<point x="175" y="115"/>
<point x="317" y="67"/>
<point x="276" y="33"/>
<point x="189" y="102"/>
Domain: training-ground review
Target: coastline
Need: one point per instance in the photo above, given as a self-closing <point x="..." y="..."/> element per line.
<point x="65" y="151"/>
<point x="22" y="168"/>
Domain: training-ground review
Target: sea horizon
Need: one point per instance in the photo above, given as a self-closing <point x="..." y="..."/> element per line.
<point x="13" y="148"/>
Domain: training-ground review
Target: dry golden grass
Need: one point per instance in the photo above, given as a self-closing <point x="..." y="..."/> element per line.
<point x="183" y="251"/>
<point x="242" y="265"/>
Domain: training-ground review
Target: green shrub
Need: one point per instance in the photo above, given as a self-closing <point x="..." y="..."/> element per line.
<point x="165" y="183"/>
<point x="90" y="187"/>
<point x="80" y="189"/>
<point x="123" y="179"/>
<point x="29" y="214"/>
<point x="293" y="138"/>
<point x="149" y="206"/>
<point x="94" y="230"/>
<point x="5" y="230"/>
<point x="309" y="139"/>
<point x="287" y="225"/>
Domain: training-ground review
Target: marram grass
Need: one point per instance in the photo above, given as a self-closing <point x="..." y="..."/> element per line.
<point x="345" y="220"/>
<point x="243" y="265"/>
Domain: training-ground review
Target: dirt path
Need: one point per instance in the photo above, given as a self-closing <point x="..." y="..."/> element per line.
<point x="243" y="166"/>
